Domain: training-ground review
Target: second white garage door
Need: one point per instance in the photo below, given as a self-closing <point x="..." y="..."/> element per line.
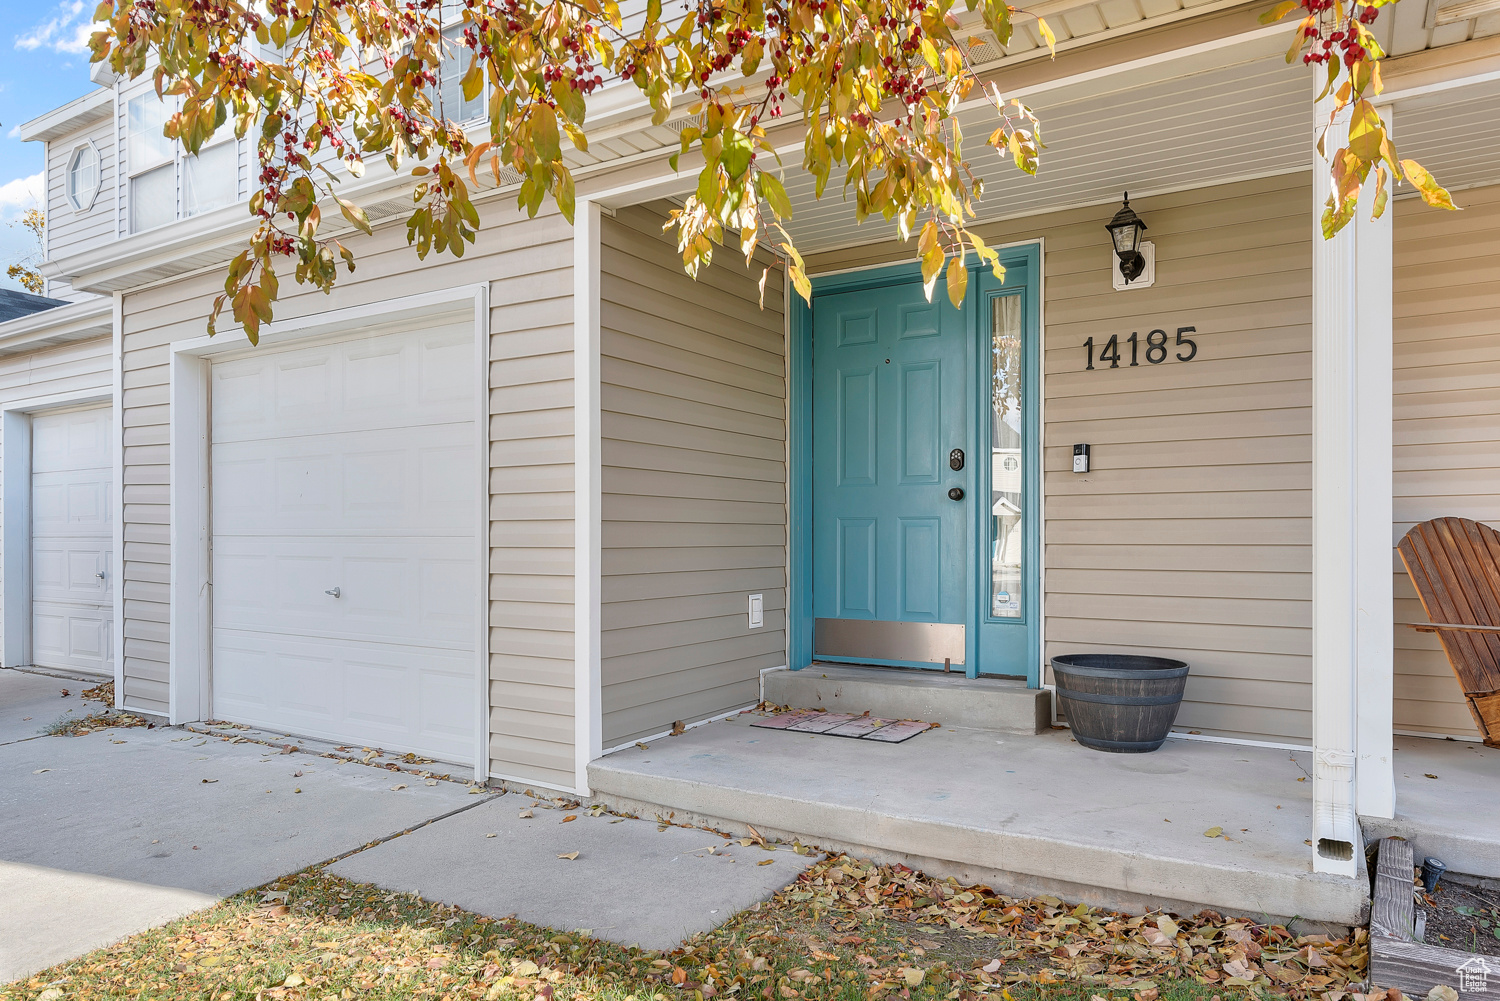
<point x="345" y="486"/>
<point x="71" y="541"/>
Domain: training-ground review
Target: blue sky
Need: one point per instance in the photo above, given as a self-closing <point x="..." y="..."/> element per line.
<point x="44" y="63"/>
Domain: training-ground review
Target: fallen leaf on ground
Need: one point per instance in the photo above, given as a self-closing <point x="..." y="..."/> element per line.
<point x="40" y="770"/>
<point x="1239" y="968"/>
<point x="1213" y="832"/>
<point x="571" y="816"/>
<point x="398" y="788"/>
<point x="489" y="835"/>
<point x="570" y="856"/>
<point x="765" y="861"/>
<point x="209" y="781"/>
<point x="913" y="976"/>
<point x="1157" y="939"/>
<point x="992" y="966"/>
<point x="1429" y="775"/>
<point x="527" y="815"/>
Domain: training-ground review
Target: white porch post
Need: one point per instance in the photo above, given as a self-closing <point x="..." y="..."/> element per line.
<point x="1352" y="594"/>
<point x="587" y="495"/>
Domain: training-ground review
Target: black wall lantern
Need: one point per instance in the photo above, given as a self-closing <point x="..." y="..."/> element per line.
<point x="1125" y="230"/>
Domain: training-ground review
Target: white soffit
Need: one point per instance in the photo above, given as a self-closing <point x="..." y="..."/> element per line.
<point x="1152" y="132"/>
<point x="1454" y="134"/>
<point x="1415" y="25"/>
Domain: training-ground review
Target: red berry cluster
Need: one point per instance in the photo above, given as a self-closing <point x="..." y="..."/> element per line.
<point x="1343" y="41"/>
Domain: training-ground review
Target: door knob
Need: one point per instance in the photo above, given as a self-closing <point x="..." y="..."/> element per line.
<point x="100" y="575"/>
<point x="957" y="493"/>
<point x="333" y="591"/>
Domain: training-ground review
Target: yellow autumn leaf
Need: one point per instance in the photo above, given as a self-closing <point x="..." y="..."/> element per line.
<point x="958" y="282"/>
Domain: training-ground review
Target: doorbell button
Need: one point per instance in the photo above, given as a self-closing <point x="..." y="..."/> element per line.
<point x="1080" y="458"/>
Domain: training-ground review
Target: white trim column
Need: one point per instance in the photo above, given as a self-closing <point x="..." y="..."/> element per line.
<point x="1352" y="582"/>
<point x="117" y="451"/>
<point x="1375" y="625"/>
<point x="588" y="736"/>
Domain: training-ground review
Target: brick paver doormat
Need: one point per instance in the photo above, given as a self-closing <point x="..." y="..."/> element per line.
<point x="887" y="731"/>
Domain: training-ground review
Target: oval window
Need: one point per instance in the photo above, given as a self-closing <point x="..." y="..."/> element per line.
<point x="83" y="177"/>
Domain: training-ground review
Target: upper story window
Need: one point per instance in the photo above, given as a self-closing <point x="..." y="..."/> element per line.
<point x="83" y="177"/>
<point x="167" y="184"/>
<point x="456" y="58"/>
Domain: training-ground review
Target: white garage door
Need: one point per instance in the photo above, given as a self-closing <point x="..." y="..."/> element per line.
<point x="345" y="558"/>
<point x="71" y="541"/>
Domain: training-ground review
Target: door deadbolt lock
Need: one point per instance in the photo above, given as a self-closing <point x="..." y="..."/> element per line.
<point x="956" y="459"/>
<point x="956" y="493"/>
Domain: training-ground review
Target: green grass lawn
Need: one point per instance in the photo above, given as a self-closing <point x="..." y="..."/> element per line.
<point x="845" y="931"/>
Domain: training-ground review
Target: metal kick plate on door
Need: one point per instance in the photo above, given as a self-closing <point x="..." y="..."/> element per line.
<point x="866" y="639"/>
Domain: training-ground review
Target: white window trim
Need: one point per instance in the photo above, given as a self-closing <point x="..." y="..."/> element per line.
<point x="87" y="206"/>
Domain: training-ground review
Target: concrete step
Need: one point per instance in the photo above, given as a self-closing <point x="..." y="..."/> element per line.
<point x="1004" y="704"/>
<point x="1025" y="815"/>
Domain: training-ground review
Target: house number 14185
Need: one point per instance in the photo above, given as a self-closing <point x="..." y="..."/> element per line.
<point x="1154" y="349"/>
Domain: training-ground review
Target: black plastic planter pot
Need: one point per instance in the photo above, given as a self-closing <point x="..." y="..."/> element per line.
<point x="1119" y="702"/>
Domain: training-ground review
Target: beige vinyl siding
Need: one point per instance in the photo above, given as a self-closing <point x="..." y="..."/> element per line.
<point x="693" y="391"/>
<point x="1447" y="417"/>
<point x="68" y="230"/>
<point x="528" y="265"/>
<point x="78" y="367"/>
<point x="1191" y="536"/>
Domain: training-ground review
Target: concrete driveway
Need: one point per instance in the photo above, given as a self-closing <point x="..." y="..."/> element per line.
<point x="120" y="830"/>
<point x="31" y="702"/>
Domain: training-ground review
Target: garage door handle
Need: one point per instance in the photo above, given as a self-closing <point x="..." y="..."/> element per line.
<point x="333" y="591"/>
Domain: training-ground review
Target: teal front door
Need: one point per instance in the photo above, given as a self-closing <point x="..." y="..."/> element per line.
<point x="923" y="473"/>
<point x="891" y="552"/>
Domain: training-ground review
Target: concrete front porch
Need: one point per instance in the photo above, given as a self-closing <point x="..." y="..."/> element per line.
<point x="1447" y="803"/>
<point x="1025" y="814"/>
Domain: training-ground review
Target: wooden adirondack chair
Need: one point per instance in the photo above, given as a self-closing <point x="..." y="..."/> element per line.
<point x="1454" y="563"/>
